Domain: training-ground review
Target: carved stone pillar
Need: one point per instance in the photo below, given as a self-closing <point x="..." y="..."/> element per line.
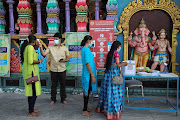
<point x="97" y="9"/>
<point x="2" y="18"/>
<point x="11" y="16"/>
<point x="81" y="18"/>
<point x="39" y="23"/>
<point x="67" y="9"/>
<point x="52" y="20"/>
<point x="112" y="8"/>
<point x="24" y="17"/>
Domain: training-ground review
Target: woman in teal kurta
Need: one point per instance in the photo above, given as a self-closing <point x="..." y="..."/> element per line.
<point x="30" y="69"/>
<point x="89" y="76"/>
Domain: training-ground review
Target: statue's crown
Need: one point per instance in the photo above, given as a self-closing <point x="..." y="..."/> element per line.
<point x="162" y="31"/>
<point x="142" y="24"/>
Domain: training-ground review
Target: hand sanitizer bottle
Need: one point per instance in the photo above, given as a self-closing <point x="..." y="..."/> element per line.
<point x="166" y="68"/>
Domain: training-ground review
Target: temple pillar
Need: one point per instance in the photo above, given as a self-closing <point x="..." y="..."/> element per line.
<point x="112" y="8"/>
<point x="67" y="9"/>
<point x="11" y="16"/>
<point x="24" y="18"/>
<point x="2" y="18"/>
<point x="39" y="23"/>
<point x="52" y="20"/>
<point x="81" y="18"/>
<point x="97" y="9"/>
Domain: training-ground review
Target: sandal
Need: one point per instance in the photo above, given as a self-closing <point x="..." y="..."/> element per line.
<point x="36" y="110"/>
<point x="90" y="110"/>
<point x="86" y="113"/>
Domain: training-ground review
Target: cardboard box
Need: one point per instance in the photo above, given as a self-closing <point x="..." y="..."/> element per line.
<point x="130" y="69"/>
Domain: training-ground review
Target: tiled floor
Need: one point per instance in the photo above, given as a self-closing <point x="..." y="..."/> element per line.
<point x="13" y="106"/>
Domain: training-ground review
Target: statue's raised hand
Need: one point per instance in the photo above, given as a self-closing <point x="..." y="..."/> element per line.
<point x="154" y="35"/>
<point x="130" y="37"/>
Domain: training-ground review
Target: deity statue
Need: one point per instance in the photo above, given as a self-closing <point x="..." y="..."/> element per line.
<point x="141" y="44"/>
<point x="161" y="48"/>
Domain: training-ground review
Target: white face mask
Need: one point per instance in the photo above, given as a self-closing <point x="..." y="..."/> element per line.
<point x="119" y="49"/>
<point x="56" y="42"/>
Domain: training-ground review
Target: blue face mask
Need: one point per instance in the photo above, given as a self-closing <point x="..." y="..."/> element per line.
<point x="119" y="49"/>
<point x="56" y="42"/>
<point x="90" y="45"/>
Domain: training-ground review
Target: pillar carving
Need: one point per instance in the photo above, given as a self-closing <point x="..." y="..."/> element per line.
<point x="97" y="9"/>
<point x="81" y="18"/>
<point x="2" y="18"/>
<point x="39" y="23"/>
<point x="11" y="16"/>
<point x="24" y="17"/>
<point x="67" y="9"/>
<point x="52" y="20"/>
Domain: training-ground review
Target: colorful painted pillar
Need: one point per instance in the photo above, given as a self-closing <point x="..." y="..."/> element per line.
<point x="67" y="9"/>
<point x="52" y="20"/>
<point x="97" y="9"/>
<point x="39" y="23"/>
<point x="24" y="17"/>
<point x="11" y="16"/>
<point x="112" y="8"/>
<point x="2" y="18"/>
<point x="81" y="18"/>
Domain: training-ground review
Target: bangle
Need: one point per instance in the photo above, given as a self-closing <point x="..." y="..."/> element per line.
<point x="92" y="75"/>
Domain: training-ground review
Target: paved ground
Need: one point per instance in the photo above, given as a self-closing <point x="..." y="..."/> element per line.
<point x="13" y="106"/>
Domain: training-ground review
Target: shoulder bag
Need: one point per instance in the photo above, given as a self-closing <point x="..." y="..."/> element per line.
<point x="118" y="79"/>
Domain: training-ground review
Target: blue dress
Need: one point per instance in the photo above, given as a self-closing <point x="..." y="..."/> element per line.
<point x="87" y="57"/>
<point x="111" y="96"/>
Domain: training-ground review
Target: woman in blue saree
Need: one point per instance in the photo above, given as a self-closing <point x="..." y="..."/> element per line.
<point x="111" y="96"/>
<point x="89" y="75"/>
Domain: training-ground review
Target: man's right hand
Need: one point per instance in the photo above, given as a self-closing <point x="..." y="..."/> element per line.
<point x="93" y="79"/>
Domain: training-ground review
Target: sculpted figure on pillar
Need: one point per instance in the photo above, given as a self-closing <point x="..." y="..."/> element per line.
<point x="161" y="48"/>
<point x="141" y="44"/>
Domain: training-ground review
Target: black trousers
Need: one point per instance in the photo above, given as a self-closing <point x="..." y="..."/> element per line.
<point x="86" y="98"/>
<point x="32" y="100"/>
<point x="55" y="77"/>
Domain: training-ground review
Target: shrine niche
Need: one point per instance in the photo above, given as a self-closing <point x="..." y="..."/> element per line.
<point x="151" y="11"/>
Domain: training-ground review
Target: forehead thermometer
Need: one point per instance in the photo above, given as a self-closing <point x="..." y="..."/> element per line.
<point x="38" y="40"/>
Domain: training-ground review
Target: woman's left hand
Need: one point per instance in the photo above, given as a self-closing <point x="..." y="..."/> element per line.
<point x="124" y="63"/>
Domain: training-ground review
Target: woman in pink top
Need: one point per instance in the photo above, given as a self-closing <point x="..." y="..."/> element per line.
<point x="111" y="96"/>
